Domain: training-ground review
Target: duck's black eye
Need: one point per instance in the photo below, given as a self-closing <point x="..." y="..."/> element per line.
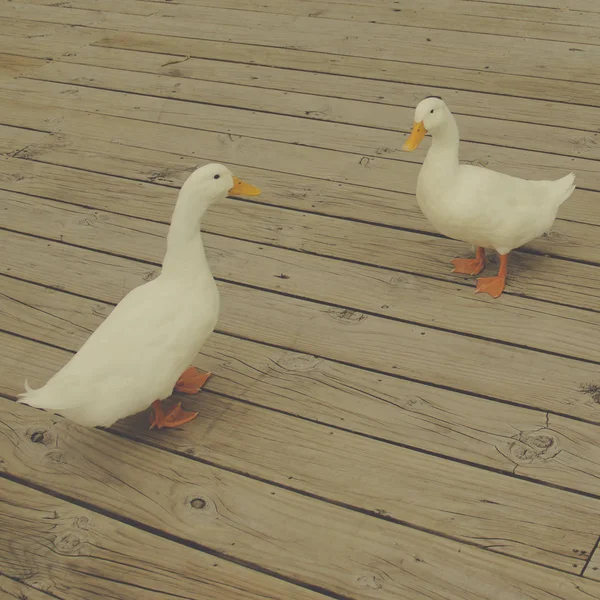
<point x="217" y="176"/>
<point x="431" y="111"/>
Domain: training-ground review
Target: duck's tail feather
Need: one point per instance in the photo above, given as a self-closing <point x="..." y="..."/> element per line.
<point x="40" y="398"/>
<point x="564" y="188"/>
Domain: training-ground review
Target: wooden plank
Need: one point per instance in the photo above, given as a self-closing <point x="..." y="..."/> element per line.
<point x="217" y="141"/>
<point x="16" y="590"/>
<point x="535" y="276"/>
<point x="593" y="568"/>
<point x="43" y="40"/>
<point x="329" y="550"/>
<point x="347" y="336"/>
<point x="317" y="462"/>
<point x="16" y="66"/>
<point x="316" y="86"/>
<point x="563" y="5"/>
<point x="74" y="553"/>
<point x="128" y="8"/>
<point x="269" y="513"/>
<point x="302" y="192"/>
<point x="476" y="7"/>
<point x="552" y="328"/>
<point x="441" y="78"/>
<point x="545" y="447"/>
<point x="445" y="48"/>
<point x="400" y="77"/>
<point x="390" y="122"/>
<point x="453" y="15"/>
<point x="350" y="139"/>
<point x="13" y="139"/>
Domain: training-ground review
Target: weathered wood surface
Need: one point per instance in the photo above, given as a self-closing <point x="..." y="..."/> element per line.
<point x="545" y="447"/>
<point x="321" y="92"/>
<point x="377" y="151"/>
<point x="15" y="590"/>
<point x="522" y="514"/>
<point x="534" y="276"/>
<point x="374" y="290"/>
<point x="348" y="336"/>
<point x="473" y="17"/>
<point x="375" y="130"/>
<point x="593" y="568"/>
<point x="480" y="17"/>
<point x="254" y="521"/>
<point x="334" y="410"/>
<point x="445" y="48"/>
<point x="76" y="554"/>
<point x="531" y="87"/>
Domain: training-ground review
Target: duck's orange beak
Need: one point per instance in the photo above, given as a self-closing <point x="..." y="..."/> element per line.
<point x="241" y="188"/>
<point x="416" y="137"/>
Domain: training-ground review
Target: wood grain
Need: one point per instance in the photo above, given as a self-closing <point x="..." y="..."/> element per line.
<point x="345" y="335"/>
<point x="477" y="17"/>
<point x="242" y="437"/>
<point x="593" y="569"/>
<point x="390" y="122"/>
<point x="553" y="328"/>
<point x="251" y="520"/>
<point x="77" y="554"/>
<point x="383" y="164"/>
<point x="321" y="92"/>
<point x="446" y="48"/>
<point x="484" y="511"/>
<point x="539" y="445"/>
<point x="434" y="419"/>
<point x="397" y="78"/>
<point x="442" y="78"/>
<point x="537" y="277"/>
<point x="15" y="590"/>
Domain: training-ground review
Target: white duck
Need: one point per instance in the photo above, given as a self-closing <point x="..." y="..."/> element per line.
<point x="476" y="205"/>
<point x="137" y="355"/>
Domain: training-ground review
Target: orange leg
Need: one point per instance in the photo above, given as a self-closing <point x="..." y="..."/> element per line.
<point x="190" y="382"/>
<point x="173" y="417"/>
<point x="494" y="286"/>
<point x="470" y="266"/>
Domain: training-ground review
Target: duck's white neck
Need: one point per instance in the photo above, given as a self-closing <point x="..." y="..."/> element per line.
<point x="443" y="153"/>
<point x="185" y="251"/>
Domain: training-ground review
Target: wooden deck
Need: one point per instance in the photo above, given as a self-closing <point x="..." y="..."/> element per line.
<point x="373" y="430"/>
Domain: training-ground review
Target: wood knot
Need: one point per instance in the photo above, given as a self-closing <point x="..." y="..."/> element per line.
<point x="370" y="581"/>
<point x="347" y="315"/>
<point x="37" y="437"/>
<point x="198" y="503"/>
<point x="539" y="445"/>
<point x="67" y="543"/>
<point x="297" y="362"/>
<point x="55" y="456"/>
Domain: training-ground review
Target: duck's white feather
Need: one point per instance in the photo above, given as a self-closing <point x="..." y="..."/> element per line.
<point x="140" y="350"/>
<point x="136" y="355"/>
<point x="477" y="205"/>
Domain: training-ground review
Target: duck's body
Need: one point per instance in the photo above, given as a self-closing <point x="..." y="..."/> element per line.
<point x="139" y="352"/>
<point x="136" y="355"/>
<point x="479" y="206"/>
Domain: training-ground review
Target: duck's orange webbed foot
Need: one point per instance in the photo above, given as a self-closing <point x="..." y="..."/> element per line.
<point x="175" y="416"/>
<point x="191" y="381"/>
<point x="494" y="286"/>
<point x="470" y="266"/>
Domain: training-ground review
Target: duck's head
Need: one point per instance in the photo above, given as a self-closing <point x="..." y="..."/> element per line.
<point x="431" y="115"/>
<point x="213" y="182"/>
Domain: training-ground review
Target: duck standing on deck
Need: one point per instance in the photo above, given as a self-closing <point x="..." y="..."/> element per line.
<point x="138" y="354"/>
<point x="477" y="205"/>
